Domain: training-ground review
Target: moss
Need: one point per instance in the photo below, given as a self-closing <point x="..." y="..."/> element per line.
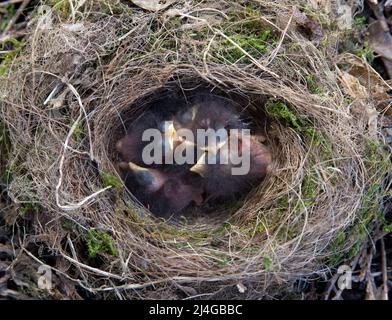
<point x="360" y="23"/>
<point x="301" y="124"/>
<point x="310" y="190"/>
<point x="385" y="225"/>
<point x="254" y="44"/>
<point x="110" y="180"/>
<point x="267" y="264"/>
<point x="281" y="112"/>
<point x="364" y="51"/>
<point x="372" y="151"/>
<point x="246" y="28"/>
<point x="313" y="136"/>
<point x="77" y="134"/>
<point x="12" y="47"/>
<point x="283" y="204"/>
<point x="260" y="228"/>
<point x="355" y="235"/>
<point x="338" y="246"/>
<point x="223" y="229"/>
<point x="312" y="87"/>
<point x="69" y="225"/>
<point x="62" y="7"/>
<point x="99" y="242"/>
<point x="30" y="207"/>
<point x="223" y="262"/>
<point x="5" y="145"/>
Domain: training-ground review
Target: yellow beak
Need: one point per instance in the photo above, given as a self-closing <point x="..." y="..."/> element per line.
<point x="200" y="167"/>
<point x="215" y="148"/>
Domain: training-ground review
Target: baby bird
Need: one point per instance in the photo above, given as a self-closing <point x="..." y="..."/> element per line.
<point x="131" y="146"/>
<point x="220" y="180"/>
<point x="166" y="191"/>
<point x="208" y="112"/>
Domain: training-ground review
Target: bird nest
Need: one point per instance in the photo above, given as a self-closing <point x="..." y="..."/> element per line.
<point x="90" y="69"/>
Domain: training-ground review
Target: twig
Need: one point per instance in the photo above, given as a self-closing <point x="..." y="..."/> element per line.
<point x="384" y="271"/>
<point x="7" y="3"/>
<point x="16" y="16"/>
<point x="276" y="50"/>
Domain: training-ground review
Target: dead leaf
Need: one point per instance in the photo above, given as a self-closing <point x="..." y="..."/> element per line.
<point x="352" y="86"/>
<point x="376" y="86"/>
<point x="309" y="27"/>
<point x="153" y="5"/>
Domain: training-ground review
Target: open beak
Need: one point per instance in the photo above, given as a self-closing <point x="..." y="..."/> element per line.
<point x="201" y="166"/>
<point x="170" y="135"/>
<point x="150" y="178"/>
<point x="215" y="148"/>
<point x="130" y="166"/>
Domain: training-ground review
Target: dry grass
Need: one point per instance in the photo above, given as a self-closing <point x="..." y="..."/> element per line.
<point x="68" y="91"/>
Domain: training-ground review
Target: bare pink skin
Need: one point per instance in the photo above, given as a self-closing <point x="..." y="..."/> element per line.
<point x="180" y="195"/>
<point x="221" y="182"/>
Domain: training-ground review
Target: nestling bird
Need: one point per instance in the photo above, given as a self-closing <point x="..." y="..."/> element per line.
<point x="164" y="191"/>
<point x="220" y="180"/>
<point x="208" y="112"/>
<point x="131" y="146"/>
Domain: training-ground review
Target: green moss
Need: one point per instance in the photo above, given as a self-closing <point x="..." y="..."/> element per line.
<point x="260" y="228"/>
<point x="310" y="190"/>
<point x="30" y="207"/>
<point x="281" y="112"/>
<point x="244" y="27"/>
<point x="313" y="136"/>
<point x="77" y="134"/>
<point x="110" y="180"/>
<point x="5" y="144"/>
<point x="385" y="225"/>
<point x="301" y="124"/>
<point x="283" y="204"/>
<point x="312" y="87"/>
<point x="338" y="246"/>
<point x="267" y="264"/>
<point x="355" y="235"/>
<point x="254" y="44"/>
<point x="360" y="23"/>
<point x="372" y="151"/>
<point x="223" y="262"/>
<point x="70" y="226"/>
<point x="223" y="229"/>
<point x="62" y="7"/>
<point x="99" y="242"/>
<point x="364" y="51"/>
<point x="10" y="54"/>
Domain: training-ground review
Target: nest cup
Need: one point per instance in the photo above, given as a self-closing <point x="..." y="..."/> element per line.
<point x="64" y="121"/>
<point x="169" y="101"/>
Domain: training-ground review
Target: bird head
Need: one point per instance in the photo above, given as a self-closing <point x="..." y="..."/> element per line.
<point x="151" y="179"/>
